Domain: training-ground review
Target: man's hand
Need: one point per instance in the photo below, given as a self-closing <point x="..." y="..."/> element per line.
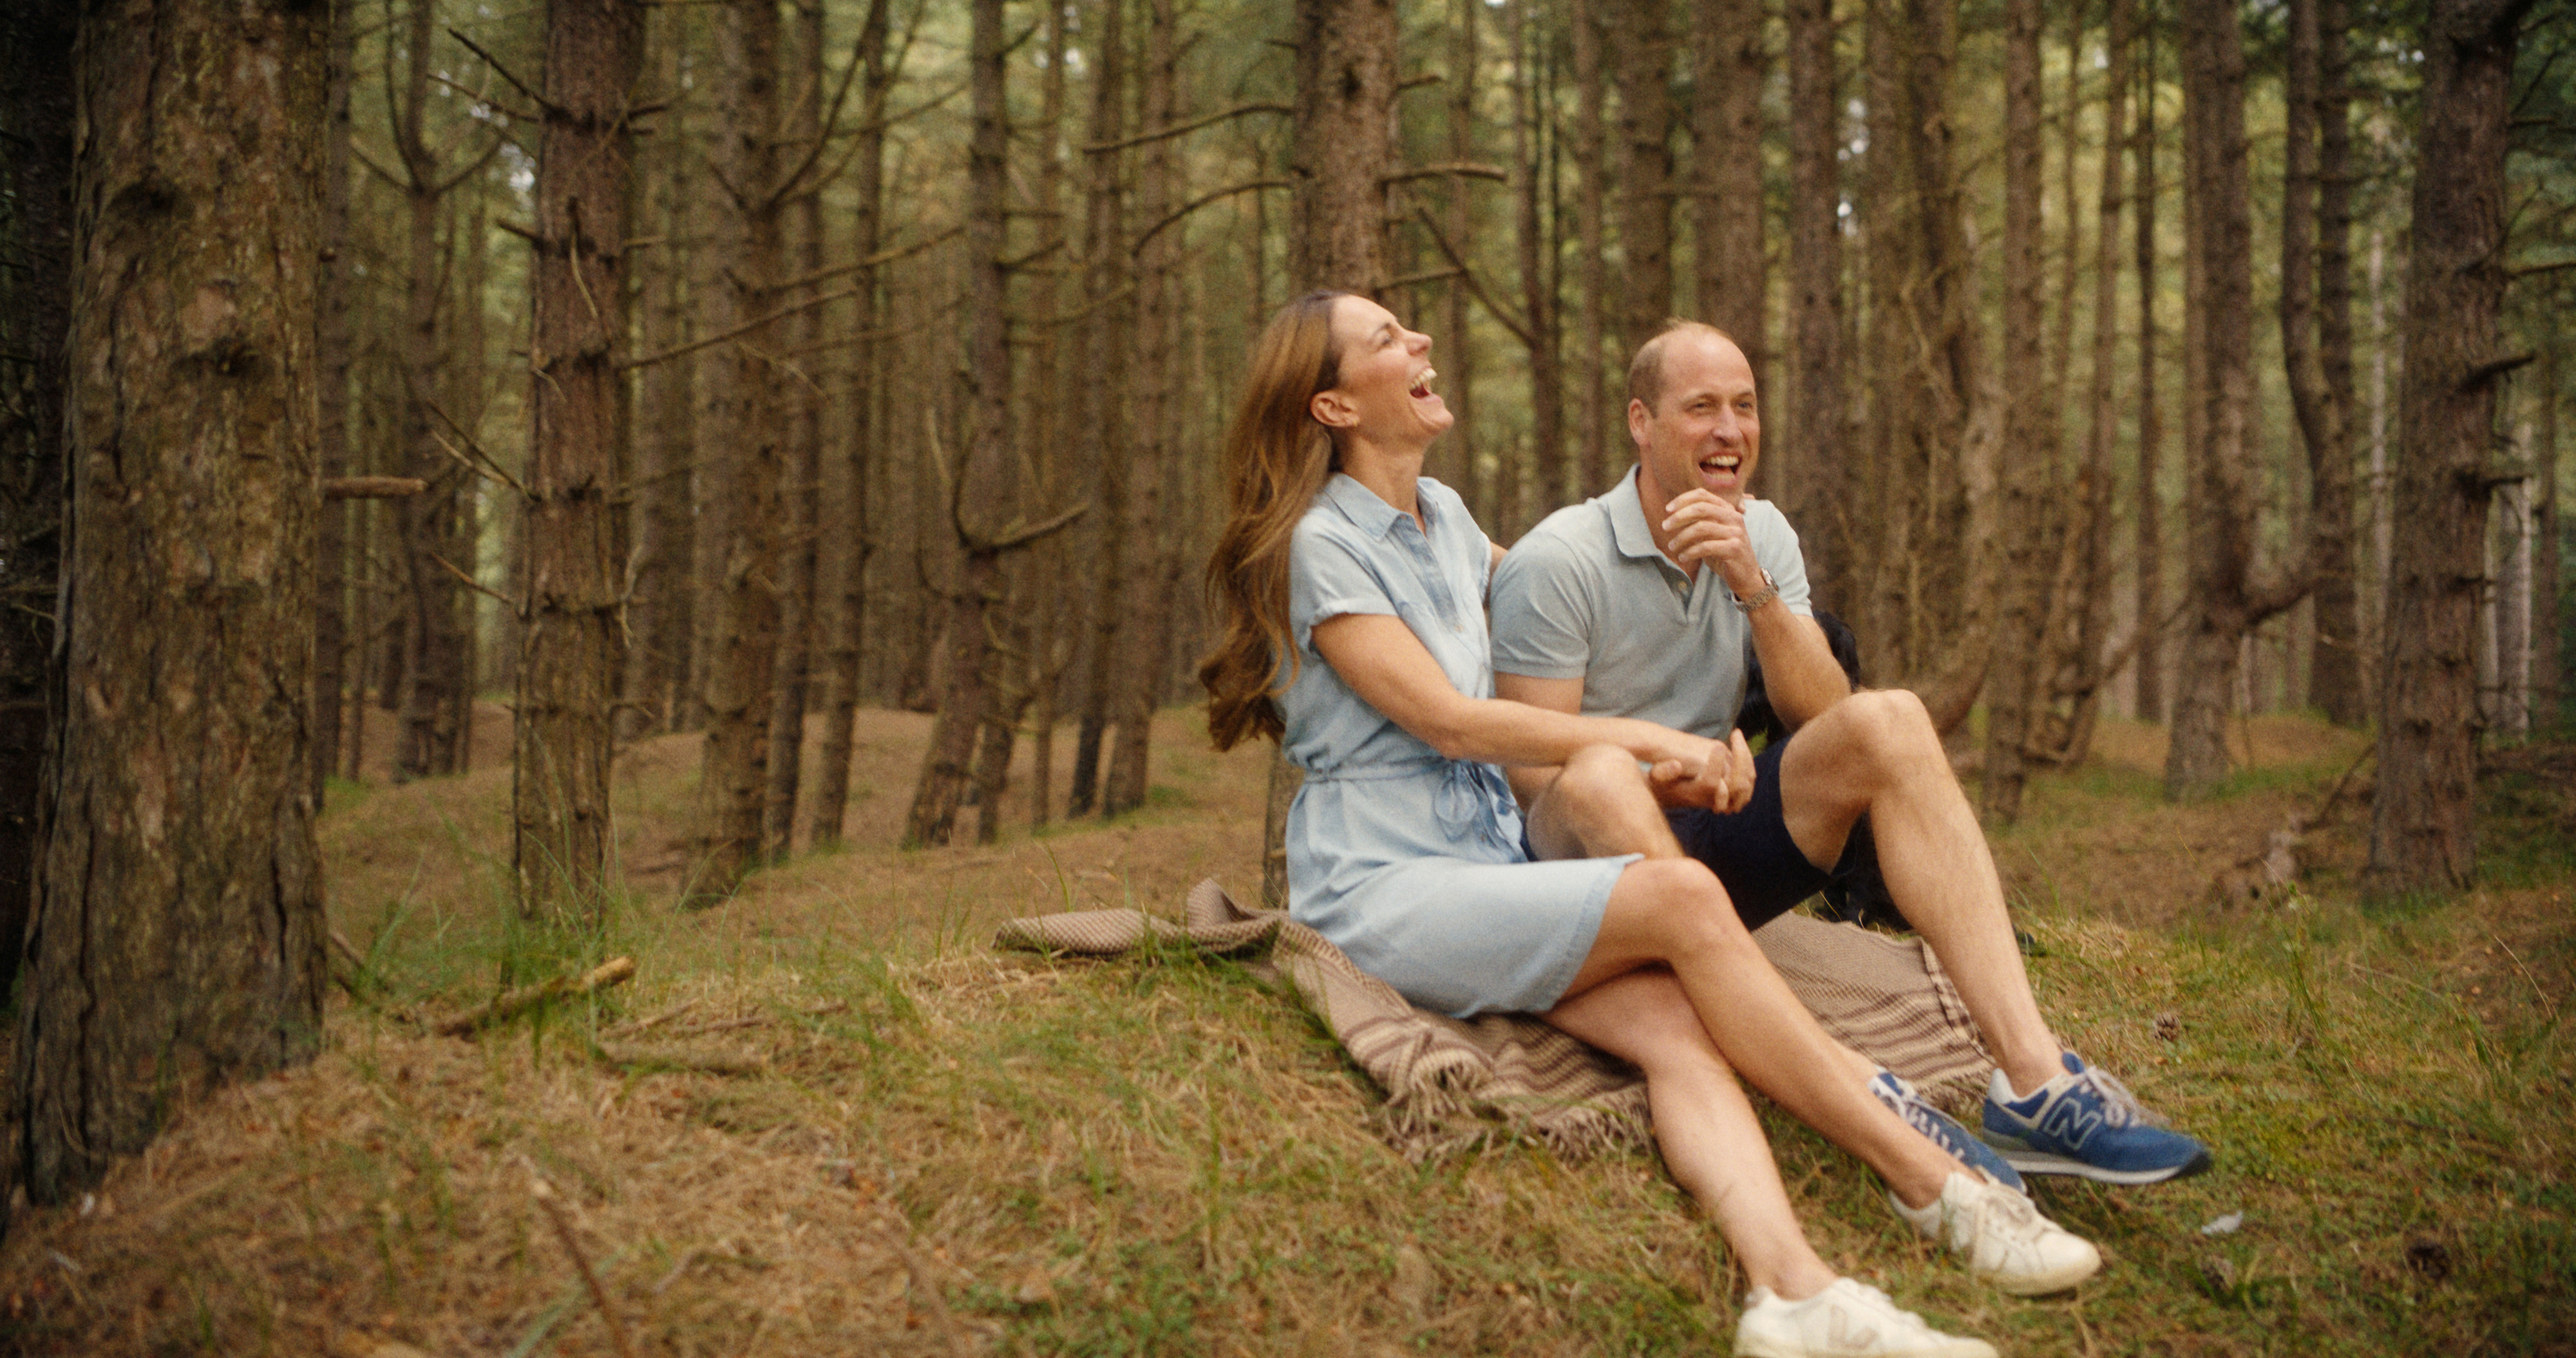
<point x="1723" y="783"/>
<point x="1707" y="530"/>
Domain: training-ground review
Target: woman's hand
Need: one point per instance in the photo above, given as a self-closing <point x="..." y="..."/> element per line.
<point x="1718" y="778"/>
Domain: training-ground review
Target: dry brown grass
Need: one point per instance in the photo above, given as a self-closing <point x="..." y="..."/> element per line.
<point x="947" y="1150"/>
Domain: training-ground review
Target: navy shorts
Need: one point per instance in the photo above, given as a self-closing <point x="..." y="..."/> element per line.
<point x="1751" y="851"/>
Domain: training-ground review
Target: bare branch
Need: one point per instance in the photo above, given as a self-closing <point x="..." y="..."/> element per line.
<point x="1466" y="168"/>
<point x="371" y="487"/>
<point x="504" y="72"/>
<point x="1493" y="308"/>
<point x="738" y="331"/>
<point x="1193" y="125"/>
<point x="1202" y="201"/>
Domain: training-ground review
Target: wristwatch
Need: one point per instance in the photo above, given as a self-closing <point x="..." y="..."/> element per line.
<point x="1764" y="595"/>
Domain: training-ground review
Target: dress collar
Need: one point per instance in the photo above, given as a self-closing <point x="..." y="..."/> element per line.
<point x="1365" y="510"/>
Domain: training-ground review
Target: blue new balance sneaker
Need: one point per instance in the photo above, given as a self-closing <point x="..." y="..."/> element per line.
<point x="1944" y="1131"/>
<point x="2084" y="1122"/>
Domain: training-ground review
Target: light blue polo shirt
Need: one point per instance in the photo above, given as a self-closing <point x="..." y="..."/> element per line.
<point x="1587" y="596"/>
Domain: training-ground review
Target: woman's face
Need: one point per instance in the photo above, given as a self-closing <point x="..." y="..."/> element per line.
<point x="1384" y="394"/>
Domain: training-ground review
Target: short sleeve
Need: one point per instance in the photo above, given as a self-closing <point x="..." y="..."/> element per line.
<point x="1327" y="578"/>
<point x="1775" y="545"/>
<point x="1543" y="615"/>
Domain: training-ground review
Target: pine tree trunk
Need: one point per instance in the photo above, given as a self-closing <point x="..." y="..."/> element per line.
<point x="742" y="453"/>
<point x="797" y="601"/>
<point x="178" y="936"/>
<point x="983" y="488"/>
<point x="433" y="663"/>
<point x="2336" y="683"/>
<point x="35" y="313"/>
<point x="2148" y="601"/>
<point x="657" y="664"/>
<point x="1102" y="413"/>
<point x="2323" y="417"/>
<point x="842" y="590"/>
<point x="332" y="349"/>
<point x="2220" y="450"/>
<point x="1458" y="357"/>
<point x="2546" y="658"/>
<point x="1827" y="514"/>
<point x="1145" y="635"/>
<point x="1641" y="48"/>
<point x="1592" y="248"/>
<point x="1050" y="571"/>
<point x="2422" y="832"/>
<point x="2029" y="454"/>
<point x="1531" y="242"/>
<point x="571" y="649"/>
<point x="1733" y="282"/>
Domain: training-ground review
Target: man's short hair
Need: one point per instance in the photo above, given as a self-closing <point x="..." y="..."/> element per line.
<point x="1646" y="370"/>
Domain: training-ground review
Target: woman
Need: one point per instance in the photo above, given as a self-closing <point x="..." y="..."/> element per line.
<point x="1355" y="636"/>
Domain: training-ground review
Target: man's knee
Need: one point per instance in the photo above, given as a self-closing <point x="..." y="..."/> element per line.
<point x="1600" y="775"/>
<point x="1691" y="909"/>
<point x="1877" y="732"/>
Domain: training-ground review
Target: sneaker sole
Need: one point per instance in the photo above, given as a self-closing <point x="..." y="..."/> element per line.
<point x="1761" y="1346"/>
<point x="2041" y="1284"/>
<point x="2041" y="1162"/>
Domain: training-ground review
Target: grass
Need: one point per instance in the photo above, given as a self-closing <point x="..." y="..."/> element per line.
<point x="949" y="1150"/>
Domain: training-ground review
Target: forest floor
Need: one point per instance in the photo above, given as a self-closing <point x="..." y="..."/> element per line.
<point x="927" y="1146"/>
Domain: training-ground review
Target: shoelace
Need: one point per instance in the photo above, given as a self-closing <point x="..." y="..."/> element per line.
<point x="2120" y="1108"/>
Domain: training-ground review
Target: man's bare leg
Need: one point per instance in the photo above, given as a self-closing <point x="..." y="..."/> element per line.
<point x="1876" y="752"/>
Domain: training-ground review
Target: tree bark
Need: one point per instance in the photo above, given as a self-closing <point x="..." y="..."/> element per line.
<point x="2148" y="600"/>
<point x="2422" y="832"/>
<point x="1145" y="635"/>
<point x="656" y="689"/>
<point x="982" y="491"/>
<point x="433" y="667"/>
<point x="1344" y="114"/>
<point x="803" y="459"/>
<point x="2546" y="676"/>
<point x="2322" y="414"/>
<point x="2336" y="683"/>
<point x="1592" y="247"/>
<point x="1050" y="574"/>
<point x="743" y="454"/>
<point x="35" y="315"/>
<point x="1828" y="517"/>
<point x="332" y="348"/>
<point x="1536" y="259"/>
<point x="844" y="585"/>
<point x="571" y="649"/>
<point x="1732" y="280"/>
<point x="2029" y="456"/>
<point x="1103" y="410"/>
<point x="178" y="936"/>
<point x="1641" y="49"/>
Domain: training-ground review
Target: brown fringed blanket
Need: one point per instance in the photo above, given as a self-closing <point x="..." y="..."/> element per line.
<point x="1452" y="1083"/>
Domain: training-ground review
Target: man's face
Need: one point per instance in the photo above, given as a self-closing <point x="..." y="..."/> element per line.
<point x="1705" y="431"/>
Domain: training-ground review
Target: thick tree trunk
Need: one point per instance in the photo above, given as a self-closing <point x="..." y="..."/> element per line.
<point x="1344" y="115"/>
<point x="1050" y="576"/>
<point x="35" y="314"/>
<point x="983" y="488"/>
<point x="657" y="663"/>
<point x="2221" y="610"/>
<point x="571" y="648"/>
<point x="1458" y="360"/>
<point x="433" y="666"/>
<point x="1732" y="279"/>
<point x="178" y="941"/>
<point x="843" y="589"/>
<point x="2322" y="414"/>
<point x="1145" y="636"/>
<point x="1828" y="516"/>
<point x="742" y="453"/>
<point x="2422" y="832"/>
<point x="1641" y="50"/>
<point x="2028" y="482"/>
<point x="2336" y="683"/>
<point x="1102" y="413"/>
<point x="797" y="601"/>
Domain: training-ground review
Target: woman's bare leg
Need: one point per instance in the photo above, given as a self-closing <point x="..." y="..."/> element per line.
<point x="1671" y="909"/>
<point x="1710" y="1138"/>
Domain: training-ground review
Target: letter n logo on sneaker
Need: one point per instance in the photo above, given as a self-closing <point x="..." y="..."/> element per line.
<point x="2070" y="1124"/>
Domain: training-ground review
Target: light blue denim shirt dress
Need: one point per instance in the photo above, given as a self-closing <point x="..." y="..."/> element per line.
<point x="1410" y="862"/>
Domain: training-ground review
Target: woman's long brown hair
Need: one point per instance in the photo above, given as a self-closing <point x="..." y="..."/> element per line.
<point x="1276" y="457"/>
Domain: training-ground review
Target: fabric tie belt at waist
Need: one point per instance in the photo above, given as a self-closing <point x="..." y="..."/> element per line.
<point x="1472" y="798"/>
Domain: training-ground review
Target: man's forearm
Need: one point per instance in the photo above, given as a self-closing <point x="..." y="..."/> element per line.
<point x="1799" y="671"/>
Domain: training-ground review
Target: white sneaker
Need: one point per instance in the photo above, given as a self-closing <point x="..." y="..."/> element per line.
<point x="2006" y="1241"/>
<point x="1847" y="1320"/>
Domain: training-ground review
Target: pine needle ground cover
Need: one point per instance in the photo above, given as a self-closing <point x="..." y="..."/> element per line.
<point x="829" y="1119"/>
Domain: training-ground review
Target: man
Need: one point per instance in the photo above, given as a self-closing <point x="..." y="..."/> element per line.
<point x="1640" y="603"/>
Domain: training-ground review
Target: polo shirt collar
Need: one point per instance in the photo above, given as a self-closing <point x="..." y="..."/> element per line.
<point x="1367" y="512"/>
<point x="1628" y="521"/>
